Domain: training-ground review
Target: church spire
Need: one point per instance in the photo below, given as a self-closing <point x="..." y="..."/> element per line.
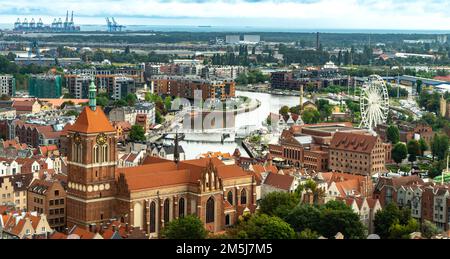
<point x="92" y="96"/>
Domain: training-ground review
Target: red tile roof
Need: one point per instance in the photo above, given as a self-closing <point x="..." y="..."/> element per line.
<point x="353" y="142"/>
<point x="170" y="174"/>
<point x="279" y="181"/>
<point x="90" y="121"/>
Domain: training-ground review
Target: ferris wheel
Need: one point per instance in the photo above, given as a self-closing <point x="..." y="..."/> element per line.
<point x="374" y="102"/>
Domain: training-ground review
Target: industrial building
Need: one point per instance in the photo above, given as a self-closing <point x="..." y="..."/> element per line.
<point x="252" y="38"/>
<point x="55" y="26"/>
<point x="7" y="85"/>
<point x="47" y="61"/>
<point x="232" y="39"/>
<point x="45" y="86"/>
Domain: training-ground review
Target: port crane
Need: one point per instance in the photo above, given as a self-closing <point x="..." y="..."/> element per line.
<point x="113" y="26"/>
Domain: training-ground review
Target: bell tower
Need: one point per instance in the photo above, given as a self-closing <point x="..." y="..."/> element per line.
<point x="91" y="168"/>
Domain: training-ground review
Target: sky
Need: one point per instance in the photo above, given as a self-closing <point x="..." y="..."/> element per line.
<point x="305" y="14"/>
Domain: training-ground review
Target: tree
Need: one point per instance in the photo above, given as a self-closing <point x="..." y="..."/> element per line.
<point x="325" y="108"/>
<point x="393" y="134"/>
<point x="158" y="117"/>
<point x="71" y="113"/>
<point x="399" y="231"/>
<point x="308" y="234"/>
<point x="102" y="101"/>
<point x="413" y="150"/>
<point x="304" y="216"/>
<point x="168" y="103"/>
<point x="439" y="146"/>
<point x="11" y="56"/>
<point x="311" y="116"/>
<point x="429" y="229"/>
<point x="262" y="226"/>
<point x="338" y="217"/>
<point x="399" y="152"/>
<point x="278" y="204"/>
<point x="389" y="216"/>
<point x="284" y="110"/>
<point x="137" y="133"/>
<point x="419" y="86"/>
<point x="188" y="227"/>
<point x="131" y="99"/>
<point x="423" y="146"/>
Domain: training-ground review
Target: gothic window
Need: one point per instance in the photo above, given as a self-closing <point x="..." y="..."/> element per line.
<point x="181" y="207"/>
<point x="96" y="154"/>
<point x="80" y="153"/>
<point x="105" y="153"/>
<point x="152" y="217"/>
<point x="166" y="211"/>
<point x="243" y="196"/>
<point x="210" y="210"/>
<point x="227" y="220"/>
<point x="74" y="153"/>
<point x="230" y="197"/>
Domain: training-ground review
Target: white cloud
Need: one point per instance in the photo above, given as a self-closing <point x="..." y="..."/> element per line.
<point x="371" y="14"/>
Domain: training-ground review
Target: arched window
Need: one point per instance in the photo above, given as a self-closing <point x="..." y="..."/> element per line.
<point x="105" y="153"/>
<point x="152" y="217"/>
<point x="181" y="207"/>
<point x="74" y="152"/>
<point x="96" y="154"/>
<point x="227" y="220"/>
<point x="230" y="197"/>
<point x="210" y="210"/>
<point x="80" y="153"/>
<point x="243" y="196"/>
<point x="166" y="211"/>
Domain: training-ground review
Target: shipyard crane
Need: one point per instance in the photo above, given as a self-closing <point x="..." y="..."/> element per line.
<point x="108" y="23"/>
<point x="35" y="46"/>
<point x="66" y="22"/>
<point x="113" y="26"/>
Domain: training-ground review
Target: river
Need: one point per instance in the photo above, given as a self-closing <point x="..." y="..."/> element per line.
<point x="269" y="103"/>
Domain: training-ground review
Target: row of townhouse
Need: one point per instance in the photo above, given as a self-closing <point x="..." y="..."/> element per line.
<point x="366" y="208"/>
<point x="427" y="201"/>
<point x="24" y="225"/>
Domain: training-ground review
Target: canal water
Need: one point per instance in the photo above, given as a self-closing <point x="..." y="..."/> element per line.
<point x="269" y="103"/>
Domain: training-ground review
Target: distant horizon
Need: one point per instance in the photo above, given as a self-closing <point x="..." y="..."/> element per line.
<point x="245" y="28"/>
<point x="396" y="15"/>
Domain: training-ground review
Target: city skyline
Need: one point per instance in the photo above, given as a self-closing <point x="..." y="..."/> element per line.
<point x="299" y="14"/>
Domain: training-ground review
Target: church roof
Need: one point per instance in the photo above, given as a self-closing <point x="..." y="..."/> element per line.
<point x="90" y="121"/>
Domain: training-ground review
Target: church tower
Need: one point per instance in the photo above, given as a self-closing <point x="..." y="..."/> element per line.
<point x="91" y="166"/>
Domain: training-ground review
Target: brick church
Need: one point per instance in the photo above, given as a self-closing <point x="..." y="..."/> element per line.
<point x="152" y="194"/>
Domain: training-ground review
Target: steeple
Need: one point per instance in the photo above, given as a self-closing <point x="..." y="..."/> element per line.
<point x="92" y="96"/>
